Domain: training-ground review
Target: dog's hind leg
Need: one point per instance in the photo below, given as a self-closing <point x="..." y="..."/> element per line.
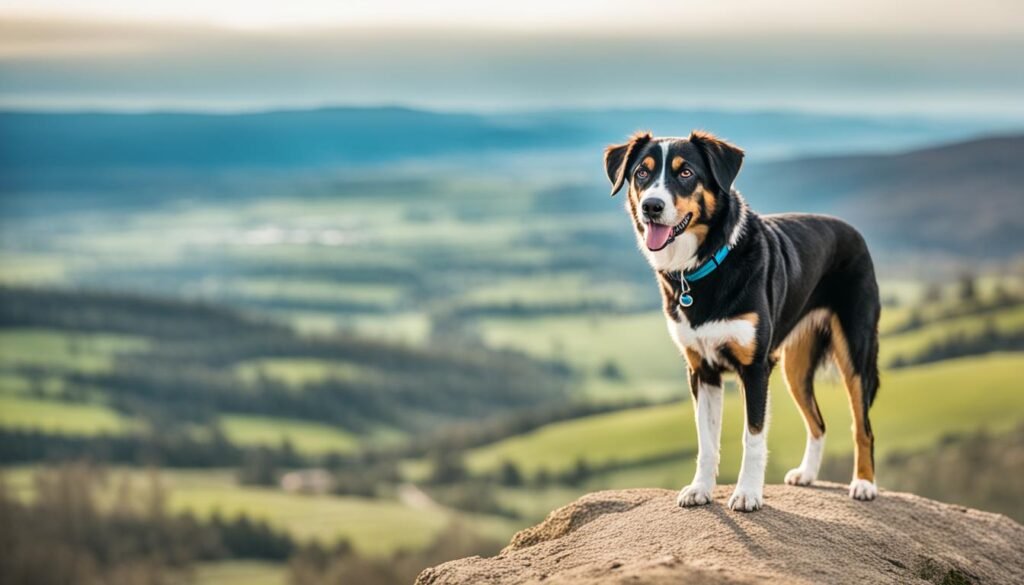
<point x="855" y="348"/>
<point x="800" y="359"/>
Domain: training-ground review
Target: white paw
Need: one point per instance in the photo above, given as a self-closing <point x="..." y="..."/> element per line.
<point x="745" y="499"/>
<point x="694" y="494"/>
<point x="800" y="476"/>
<point x="862" y="489"/>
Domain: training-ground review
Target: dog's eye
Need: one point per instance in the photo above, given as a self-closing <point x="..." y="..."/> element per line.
<point x="685" y="174"/>
<point x="642" y="174"/>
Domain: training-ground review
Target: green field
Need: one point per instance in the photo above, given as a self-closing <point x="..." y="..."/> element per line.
<point x="333" y="263"/>
<point x="31" y="268"/>
<point x="306" y="437"/>
<point x="374" y="526"/>
<point x="913" y="342"/>
<point x="61" y="417"/>
<point x="240" y="573"/>
<point x="311" y="290"/>
<point x="915" y="407"/>
<point x="638" y="344"/>
<point x="299" y="371"/>
<point x="83" y="352"/>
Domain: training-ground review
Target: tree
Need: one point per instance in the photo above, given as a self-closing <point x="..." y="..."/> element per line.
<point x="932" y="293"/>
<point x="611" y="371"/>
<point x="509" y="474"/>
<point x="447" y="467"/>
<point x="966" y="289"/>
<point x="579" y="473"/>
<point x="542" y="478"/>
<point x="258" y="468"/>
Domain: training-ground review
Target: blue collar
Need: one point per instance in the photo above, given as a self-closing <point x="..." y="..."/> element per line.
<point x="684" y="278"/>
<point x="709" y="265"/>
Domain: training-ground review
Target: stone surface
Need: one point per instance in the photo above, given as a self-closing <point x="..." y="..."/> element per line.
<point x="803" y="535"/>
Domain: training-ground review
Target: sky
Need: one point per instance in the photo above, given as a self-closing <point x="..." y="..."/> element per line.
<point x="899" y="16"/>
<point x="871" y="56"/>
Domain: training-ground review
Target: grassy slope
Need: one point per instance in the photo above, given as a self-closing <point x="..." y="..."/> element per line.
<point x="62" y="352"/>
<point x="306" y="437"/>
<point x="241" y="573"/>
<point x="375" y="527"/>
<point x="60" y="417"/>
<point x="914" y="408"/>
<point x="299" y="371"/>
<point x="637" y="343"/>
<point x="85" y="352"/>
<point x="913" y="342"/>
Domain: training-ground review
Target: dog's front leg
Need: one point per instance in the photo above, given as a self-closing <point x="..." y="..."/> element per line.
<point x="750" y="486"/>
<point x="707" y="404"/>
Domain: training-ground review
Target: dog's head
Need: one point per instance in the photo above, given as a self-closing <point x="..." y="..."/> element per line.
<point x="677" y="186"/>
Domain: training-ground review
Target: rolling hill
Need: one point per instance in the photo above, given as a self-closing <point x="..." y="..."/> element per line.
<point x="114" y="372"/>
<point x="340" y="135"/>
<point x="957" y="199"/>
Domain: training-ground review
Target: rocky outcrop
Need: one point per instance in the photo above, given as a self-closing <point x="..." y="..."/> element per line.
<point x="803" y="535"/>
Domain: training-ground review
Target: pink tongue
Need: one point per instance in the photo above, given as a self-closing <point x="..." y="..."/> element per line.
<point x="657" y="235"/>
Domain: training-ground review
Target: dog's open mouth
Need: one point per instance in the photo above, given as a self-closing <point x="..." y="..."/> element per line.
<point x="660" y="235"/>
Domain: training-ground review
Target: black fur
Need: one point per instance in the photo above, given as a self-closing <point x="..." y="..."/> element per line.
<point x="723" y="160"/>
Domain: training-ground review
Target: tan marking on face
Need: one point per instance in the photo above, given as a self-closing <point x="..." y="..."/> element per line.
<point x="648" y="163"/>
<point x="744" y="354"/>
<point x="690" y="204"/>
<point x="699" y="231"/>
<point x="864" y="466"/>
<point x="686" y="205"/>
<point x="709" y="201"/>
<point x="677" y="163"/>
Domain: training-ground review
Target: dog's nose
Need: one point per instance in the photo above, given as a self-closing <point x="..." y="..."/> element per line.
<point x="652" y="207"/>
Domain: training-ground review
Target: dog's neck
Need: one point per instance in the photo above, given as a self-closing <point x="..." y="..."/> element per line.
<point x="727" y="227"/>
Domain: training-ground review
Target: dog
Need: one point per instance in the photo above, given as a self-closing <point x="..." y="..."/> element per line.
<point x="741" y="292"/>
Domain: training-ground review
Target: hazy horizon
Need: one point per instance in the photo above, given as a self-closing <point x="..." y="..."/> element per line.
<point x="52" y="60"/>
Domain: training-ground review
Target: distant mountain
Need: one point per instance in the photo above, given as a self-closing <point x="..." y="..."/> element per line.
<point x="34" y="142"/>
<point x="963" y="199"/>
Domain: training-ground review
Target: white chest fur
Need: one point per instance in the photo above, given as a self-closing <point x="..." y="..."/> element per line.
<point x="708" y="338"/>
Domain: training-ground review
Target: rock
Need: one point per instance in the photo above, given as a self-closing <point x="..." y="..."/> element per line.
<point x="803" y="535"/>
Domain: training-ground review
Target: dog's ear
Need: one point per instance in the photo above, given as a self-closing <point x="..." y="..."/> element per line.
<point x="722" y="158"/>
<point x="617" y="159"/>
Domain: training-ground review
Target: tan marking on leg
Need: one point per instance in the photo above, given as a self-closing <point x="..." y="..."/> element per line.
<point x="744" y="353"/>
<point x="797" y="366"/>
<point x="693" y="359"/>
<point x="864" y="467"/>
